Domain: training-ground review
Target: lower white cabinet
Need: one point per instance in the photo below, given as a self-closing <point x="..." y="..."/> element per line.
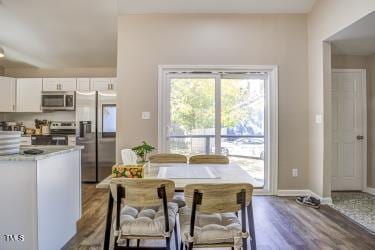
<point x="29" y="95"/>
<point x="7" y="94"/>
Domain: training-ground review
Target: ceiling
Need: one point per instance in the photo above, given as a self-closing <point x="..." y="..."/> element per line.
<point x="215" y="6"/>
<point x="83" y="33"/>
<point x="58" y="33"/>
<point x="357" y="39"/>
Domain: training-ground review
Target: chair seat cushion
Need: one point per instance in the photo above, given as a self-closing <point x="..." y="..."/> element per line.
<point x="210" y="228"/>
<point x="146" y="221"/>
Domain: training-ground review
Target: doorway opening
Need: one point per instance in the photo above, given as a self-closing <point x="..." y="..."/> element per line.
<point x="352" y="116"/>
<point x="227" y="110"/>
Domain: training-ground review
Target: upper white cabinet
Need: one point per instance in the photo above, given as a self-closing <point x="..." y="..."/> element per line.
<point x="83" y="84"/>
<point x="102" y="84"/>
<point x="29" y="95"/>
<point x="50" y="84"/>
<point x="59" y="84"/>
<point x="114" y="83"/>
<point x="7" y="94"/>
<point x="68" y="84"/>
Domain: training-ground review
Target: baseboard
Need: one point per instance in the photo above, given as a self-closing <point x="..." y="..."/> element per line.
<point x="370" y="190"/>
<point x="301" y="192"/>
<point x="287" y="192"/>
<point x="323" y="200"/>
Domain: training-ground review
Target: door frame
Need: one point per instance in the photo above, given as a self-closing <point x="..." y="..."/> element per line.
<point x="270" y="187"/>
<point x="364" y="122"/>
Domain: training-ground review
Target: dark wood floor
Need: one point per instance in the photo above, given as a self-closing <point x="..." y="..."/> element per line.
<point x="280" y="223"/>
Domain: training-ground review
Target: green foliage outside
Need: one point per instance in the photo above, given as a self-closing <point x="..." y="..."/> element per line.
<point x="193" y="103"/>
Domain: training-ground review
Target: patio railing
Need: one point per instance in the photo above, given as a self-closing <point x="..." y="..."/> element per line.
<point x="208" y="140"/>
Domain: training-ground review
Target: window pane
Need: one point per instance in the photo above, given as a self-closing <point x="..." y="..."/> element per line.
<point x="192" y="116"/>
<point x="242" y="124"/>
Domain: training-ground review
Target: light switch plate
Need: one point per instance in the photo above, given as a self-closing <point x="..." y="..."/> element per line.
<point x="318" y="119"/>
<point x="295" y="172"/>
<point x="146" y="115"/>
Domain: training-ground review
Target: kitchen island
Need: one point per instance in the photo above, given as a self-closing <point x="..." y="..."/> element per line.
<point x="40" y="197"/>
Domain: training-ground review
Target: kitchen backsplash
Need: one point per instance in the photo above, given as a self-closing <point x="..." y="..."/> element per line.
<point x="29" y="118"/>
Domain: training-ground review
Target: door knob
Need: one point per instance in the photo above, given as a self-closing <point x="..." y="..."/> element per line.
<point x="360" y="137"/>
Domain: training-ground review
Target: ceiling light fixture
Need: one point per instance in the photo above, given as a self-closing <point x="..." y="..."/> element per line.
<point x="2" y="52"/>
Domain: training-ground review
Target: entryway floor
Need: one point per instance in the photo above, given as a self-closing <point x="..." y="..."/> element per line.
<point x="358" y="206"/>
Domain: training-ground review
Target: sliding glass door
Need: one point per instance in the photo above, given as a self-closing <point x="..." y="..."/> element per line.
<point x="218" y="114"/>
<point x="191" y="114"/>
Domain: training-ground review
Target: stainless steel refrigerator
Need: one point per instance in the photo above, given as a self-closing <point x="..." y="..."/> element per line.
<point x="96" y="131"/>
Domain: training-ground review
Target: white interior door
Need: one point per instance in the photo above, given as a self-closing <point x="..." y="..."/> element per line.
<point x="348" y="129"/>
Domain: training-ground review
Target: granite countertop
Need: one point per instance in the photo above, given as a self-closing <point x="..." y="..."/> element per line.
<point x="49" y="151"/>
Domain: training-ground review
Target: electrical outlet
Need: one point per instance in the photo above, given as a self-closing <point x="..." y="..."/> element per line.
<point x="295" y="172"/>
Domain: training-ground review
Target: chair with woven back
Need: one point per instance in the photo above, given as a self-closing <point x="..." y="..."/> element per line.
<point x="143" y="211"/>
<point x="163" y="158"/>
<point x="208" y="159"/>
<point x="209" y="219"/>
<point x="167" y="158"/>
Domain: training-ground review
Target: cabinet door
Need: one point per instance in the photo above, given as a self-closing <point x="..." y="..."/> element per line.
<point x="7" y="94"/>
<point x="29" y="95"/>
<point x="83" y="84"/>
<point x="51" y="84"/>
<point x="101" y="84"/>
<point x="113" y="83"/>
<point x="68" y="84"/>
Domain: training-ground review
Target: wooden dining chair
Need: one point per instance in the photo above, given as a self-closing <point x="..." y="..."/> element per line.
<point x="168" y="158"/>
<point x="143" y="211"/>
<point x="209" y="219"/>
<point x="171" y="158"/>
<point x="208" y="159"/>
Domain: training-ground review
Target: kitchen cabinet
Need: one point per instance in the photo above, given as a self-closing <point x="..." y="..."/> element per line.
<point x="29" y="95"/>
<point x="83" y="84"/>
<point x="59" y="84"/>
<point x="7" y="94"/>
<point x="68" y="84"/>
<point x="114" y="83"/>
<point x="102" y="84"/>
<point x="50" y="84"/>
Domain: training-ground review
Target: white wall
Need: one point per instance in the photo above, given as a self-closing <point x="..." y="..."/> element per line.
<point x="326" y="18"/>
<point x="146" y="41"/>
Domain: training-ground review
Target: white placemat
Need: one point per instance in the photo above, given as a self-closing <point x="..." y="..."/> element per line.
<point x="190" y="172"/>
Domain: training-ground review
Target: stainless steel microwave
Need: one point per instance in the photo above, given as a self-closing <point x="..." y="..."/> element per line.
<point x="58" y="101"/>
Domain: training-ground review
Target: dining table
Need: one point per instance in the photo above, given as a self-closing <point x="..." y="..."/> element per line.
<point x="182" y="174"/>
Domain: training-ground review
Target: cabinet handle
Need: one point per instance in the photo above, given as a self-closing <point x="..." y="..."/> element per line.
<point x="14" y="107"/>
